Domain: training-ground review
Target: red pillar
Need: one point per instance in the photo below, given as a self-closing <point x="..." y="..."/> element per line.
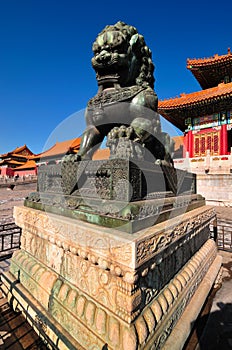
<point x="186" y="144"/>
<point x="224" y="140"/>
<point x="190" y="142"/>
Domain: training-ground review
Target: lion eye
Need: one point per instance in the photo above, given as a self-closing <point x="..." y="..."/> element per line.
<point x="106" y="47"/>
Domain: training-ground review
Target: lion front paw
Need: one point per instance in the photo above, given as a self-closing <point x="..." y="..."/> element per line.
<point x="71" y="158"/>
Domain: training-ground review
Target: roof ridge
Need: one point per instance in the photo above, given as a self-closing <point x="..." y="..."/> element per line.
<point x="200" y="92"/>
<point x="215" y="57"/>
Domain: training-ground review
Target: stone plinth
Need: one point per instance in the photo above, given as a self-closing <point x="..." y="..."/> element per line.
<point x="85" y="287"/>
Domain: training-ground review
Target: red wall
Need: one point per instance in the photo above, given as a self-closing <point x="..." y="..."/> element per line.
<point x="25" y="172"/>
<point x="7" y="172"/>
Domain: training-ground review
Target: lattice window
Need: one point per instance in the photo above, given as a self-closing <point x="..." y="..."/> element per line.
<point x="197" y="146"/>
<point x="203" y="145"/>
<point x="215" y="144"/>
<point x="209" y="142"/>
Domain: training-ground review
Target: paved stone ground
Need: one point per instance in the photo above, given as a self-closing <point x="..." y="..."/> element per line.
<point x="10" y="198"/>
<point x="15" y="331"/>
<point x="213" y="329"/>
<point x="218" y="331"/>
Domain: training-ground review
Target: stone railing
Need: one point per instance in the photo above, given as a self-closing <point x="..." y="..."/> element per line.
<point x="207" y="164"/>
<point x="10" y="235"/>
<point x="6" y="181"/>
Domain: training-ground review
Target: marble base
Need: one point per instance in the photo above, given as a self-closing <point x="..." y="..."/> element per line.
<point x="85" y="287"/>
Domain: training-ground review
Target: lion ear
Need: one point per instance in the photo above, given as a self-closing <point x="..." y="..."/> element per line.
<point x="134" y="39"/>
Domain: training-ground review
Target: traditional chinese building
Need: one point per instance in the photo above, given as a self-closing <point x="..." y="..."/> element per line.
<point x="205" y="116"/>
<point x="27" y="169"/>
<point x="11" y="160"/>
<point x="60" y="149"/>
<point x="57" y="151"/>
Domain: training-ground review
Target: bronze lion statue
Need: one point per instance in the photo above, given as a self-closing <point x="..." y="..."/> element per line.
<point x="125" y="105"/>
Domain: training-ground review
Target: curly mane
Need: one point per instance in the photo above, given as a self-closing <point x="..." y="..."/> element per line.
<point x="136" y="47"/>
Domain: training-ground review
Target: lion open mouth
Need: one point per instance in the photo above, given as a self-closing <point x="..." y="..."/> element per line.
<point x="108" y="80"/>
<point x="111" y="69"/>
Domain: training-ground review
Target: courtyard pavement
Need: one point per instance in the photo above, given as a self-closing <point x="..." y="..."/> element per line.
<point x="213" y="329"/>
<point x="217" y="334"/>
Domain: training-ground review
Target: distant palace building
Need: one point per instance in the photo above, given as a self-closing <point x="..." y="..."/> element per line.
<point x="60" y="149"/>
<point x="205" y="116"/>
<point x="22" y="162"/>
<point x="57" y="151"/>
<point x="17" y="162"/>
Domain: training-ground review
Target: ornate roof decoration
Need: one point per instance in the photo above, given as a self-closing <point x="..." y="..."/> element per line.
<point x="211" y="71"/>
<point x="10" y="162"/>
<point x="222" y="91"/>
<point x="22" y="151"/>
<point x="176" y="109"/>
<point x="30" y="164"/>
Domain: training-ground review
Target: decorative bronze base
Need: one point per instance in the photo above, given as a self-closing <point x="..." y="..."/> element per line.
<point x="117" y="193"/>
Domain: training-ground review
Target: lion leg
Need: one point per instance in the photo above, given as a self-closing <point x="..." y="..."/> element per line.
<point x="142" y="128"/>
<point x="90" y="142"/>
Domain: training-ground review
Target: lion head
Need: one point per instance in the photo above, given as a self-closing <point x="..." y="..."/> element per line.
<point x="122" y="58"/>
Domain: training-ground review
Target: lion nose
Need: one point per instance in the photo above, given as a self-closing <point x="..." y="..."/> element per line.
<point x="104" y="56"/>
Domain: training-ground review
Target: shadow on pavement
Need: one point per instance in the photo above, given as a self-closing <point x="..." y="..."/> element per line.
<point x="217" y="333"/>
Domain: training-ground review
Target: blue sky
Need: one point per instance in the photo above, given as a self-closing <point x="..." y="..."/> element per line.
<point x="46" y="48"/>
